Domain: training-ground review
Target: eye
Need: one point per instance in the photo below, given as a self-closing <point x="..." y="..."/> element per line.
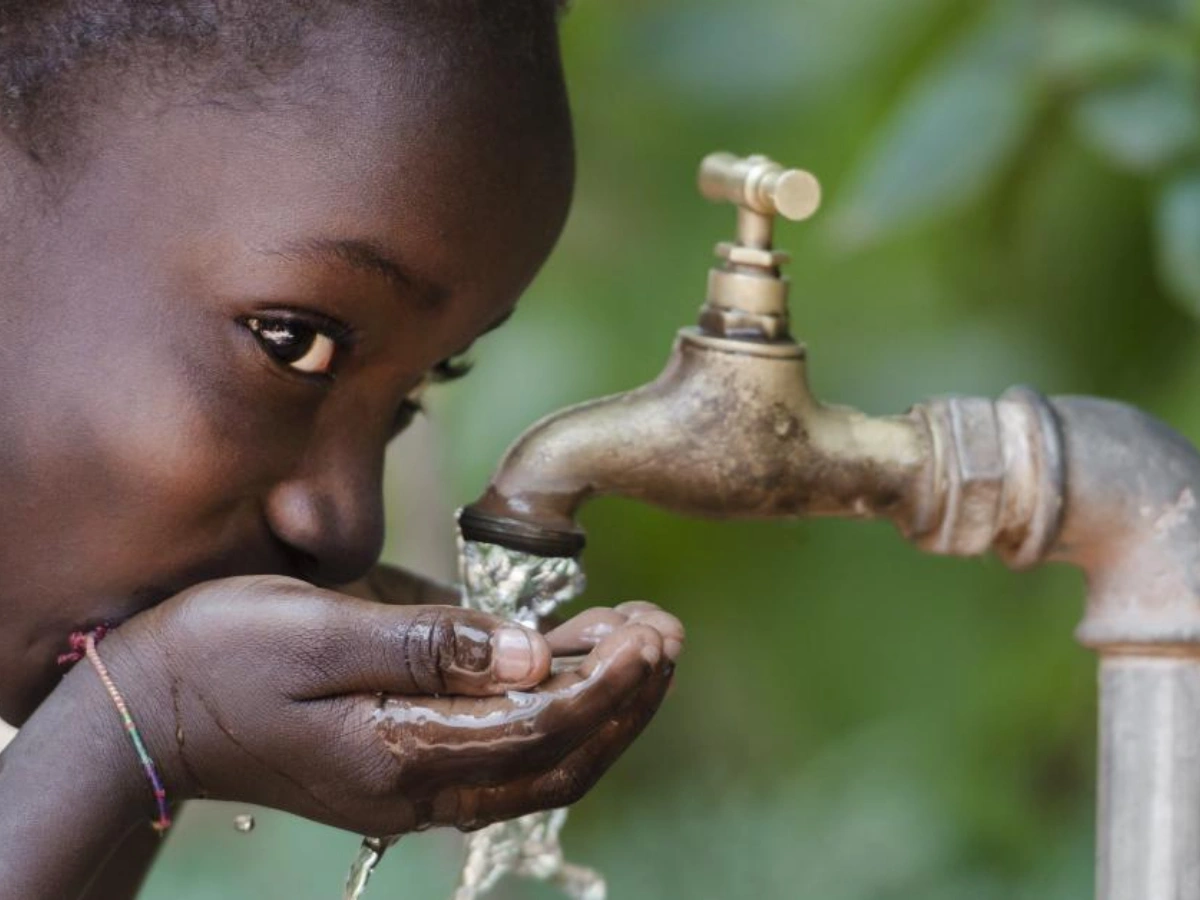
<point x="413" y="405"/>
<point x="301" y="346"/>
<point x="410" y="407"/>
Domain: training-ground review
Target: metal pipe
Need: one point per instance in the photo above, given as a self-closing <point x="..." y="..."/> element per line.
<point x="730" y="429"/>
<point x="1130" y="523"/>
<point x="1149" y="823"/>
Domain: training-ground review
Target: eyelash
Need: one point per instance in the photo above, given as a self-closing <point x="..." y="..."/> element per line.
<point x="444" y="372"/>
<point x="262" y="326"/>
<point x="341" y="334"/>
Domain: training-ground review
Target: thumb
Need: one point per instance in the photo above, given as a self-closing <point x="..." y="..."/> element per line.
<point x="375" y="648"/>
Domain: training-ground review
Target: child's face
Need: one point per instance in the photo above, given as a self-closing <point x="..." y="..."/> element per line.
<point x="209" y="342"/>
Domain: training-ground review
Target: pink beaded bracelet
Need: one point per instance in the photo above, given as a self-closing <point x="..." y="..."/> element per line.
<point x="84" y="646"/>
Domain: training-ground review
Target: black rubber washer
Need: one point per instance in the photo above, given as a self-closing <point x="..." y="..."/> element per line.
<point x="517" y="535"/>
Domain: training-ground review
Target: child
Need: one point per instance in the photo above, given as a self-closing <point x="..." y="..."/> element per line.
<point x="236" y="239"/>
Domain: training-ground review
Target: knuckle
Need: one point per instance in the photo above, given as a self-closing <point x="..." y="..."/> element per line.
<point x="281" y="585"/>
<point x="603" y="616"/>
<point x="637" y="607"/>
<point x="644" y="633"/>
<point x="429" y="648"/>
<point x="569" y="785"/>
<point x="278" y="585"/>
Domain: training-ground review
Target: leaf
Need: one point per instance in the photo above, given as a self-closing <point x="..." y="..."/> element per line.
<point x="1178" y="237"/>
<point x="1083" y="45"/>
<point x="1145" y="124"/>
<point x="718" y="55"/>
<point x="951" y="135"/>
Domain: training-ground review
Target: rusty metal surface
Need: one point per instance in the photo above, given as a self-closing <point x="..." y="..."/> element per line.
<point x="1130" y="522"/>
<point x="730" y="430"/>
<point x="999" y="477"/>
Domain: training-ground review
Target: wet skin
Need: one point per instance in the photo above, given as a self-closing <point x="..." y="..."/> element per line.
<point x="212" y="333"/>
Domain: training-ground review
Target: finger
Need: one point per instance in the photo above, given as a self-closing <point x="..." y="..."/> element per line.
<point x="582" y="633"/>
<point x="569" y="780"/>
<point x="605" y="680"/>
<point x="586" y="630"/>
<point x="503" y="737"/>
<point x="633" y="607"/>
<point x="661" y="621"/>
<point x="362" y="647"/>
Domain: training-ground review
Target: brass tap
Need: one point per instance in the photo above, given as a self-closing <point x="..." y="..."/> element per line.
<point x="730" y="429"/>
<point x="747" y="295"/>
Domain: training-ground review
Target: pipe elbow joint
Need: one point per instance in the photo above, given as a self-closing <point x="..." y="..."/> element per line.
<point x="1131" y="525"/>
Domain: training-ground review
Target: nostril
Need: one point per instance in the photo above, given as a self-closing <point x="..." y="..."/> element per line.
<point x="325" y="537"/>
<point x="300" y="563"/>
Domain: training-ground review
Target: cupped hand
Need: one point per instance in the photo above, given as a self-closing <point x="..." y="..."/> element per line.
<point x="384" y="719"/>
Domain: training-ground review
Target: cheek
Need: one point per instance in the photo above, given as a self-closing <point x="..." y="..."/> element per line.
<point x="167" y="432"/>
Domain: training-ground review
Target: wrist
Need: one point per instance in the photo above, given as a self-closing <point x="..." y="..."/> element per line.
<point x="69" y="792"/>
<point x="78" y="729"/>
<point x="135" y="715"/>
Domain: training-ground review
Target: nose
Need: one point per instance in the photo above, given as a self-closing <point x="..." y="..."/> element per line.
<point x="330" y="514"/>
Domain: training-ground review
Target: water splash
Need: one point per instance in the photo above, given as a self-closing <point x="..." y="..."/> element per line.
<point x="370" y="852"/>
<point x="527" y="847"/>
<point x="526" y="588"/>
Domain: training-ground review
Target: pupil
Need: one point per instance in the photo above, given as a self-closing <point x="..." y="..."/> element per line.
<point x="287" y="341"/>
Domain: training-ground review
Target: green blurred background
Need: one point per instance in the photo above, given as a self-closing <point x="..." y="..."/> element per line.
<point x="1013" y="196"/>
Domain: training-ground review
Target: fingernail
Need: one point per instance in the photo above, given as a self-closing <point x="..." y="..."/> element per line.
<point x="672" y="648"/>
<point x="512" y="654"/>
<point x="651" y="654"/>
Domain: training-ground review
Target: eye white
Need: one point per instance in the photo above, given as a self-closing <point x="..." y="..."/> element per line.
<point x="296" y="345"/>
<point x="318" y="359"/>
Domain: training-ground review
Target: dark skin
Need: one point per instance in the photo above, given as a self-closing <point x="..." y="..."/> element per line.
<point x="211" y="333"/>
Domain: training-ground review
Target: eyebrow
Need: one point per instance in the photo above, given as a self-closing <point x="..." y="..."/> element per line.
<point x="369" y="258"/>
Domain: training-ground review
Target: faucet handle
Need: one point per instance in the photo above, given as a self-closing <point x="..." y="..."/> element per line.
<point x="747" y="294"/>
<point x="760" y="185"/>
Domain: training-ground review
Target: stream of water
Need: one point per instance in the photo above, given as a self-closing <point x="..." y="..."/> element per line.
<point x="524" y="588"/>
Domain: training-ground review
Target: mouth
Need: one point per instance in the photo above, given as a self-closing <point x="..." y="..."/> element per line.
<point x="275" y="558"/>
<point x="53" y="638"/>
<point x="140" y="600"/>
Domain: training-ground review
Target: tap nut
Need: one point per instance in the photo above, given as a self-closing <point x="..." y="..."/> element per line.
<point x="752" y="256"/>
<point x="1000" y="476"/>
<point x="966" y="435"/>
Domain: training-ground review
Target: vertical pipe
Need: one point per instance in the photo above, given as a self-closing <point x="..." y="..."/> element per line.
<point x="1149" y="816"/>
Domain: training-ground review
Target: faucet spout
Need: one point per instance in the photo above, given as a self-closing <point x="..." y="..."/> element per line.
<point x="729" y="430"/>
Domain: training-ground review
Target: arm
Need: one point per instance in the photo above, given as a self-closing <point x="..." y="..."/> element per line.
<point x="70" y="789"/>
<point x="119" y="875"/>
<point x="126" y="869"/>
<point x="374" y="718"/>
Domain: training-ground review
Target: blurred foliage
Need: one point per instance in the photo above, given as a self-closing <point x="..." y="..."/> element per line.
<point x="1014" y="196"/>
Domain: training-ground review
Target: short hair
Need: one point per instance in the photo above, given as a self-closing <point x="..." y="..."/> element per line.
<point x="57" y="56"/>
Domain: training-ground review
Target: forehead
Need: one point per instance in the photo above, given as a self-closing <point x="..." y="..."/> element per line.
<point x="462" y="171"/>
